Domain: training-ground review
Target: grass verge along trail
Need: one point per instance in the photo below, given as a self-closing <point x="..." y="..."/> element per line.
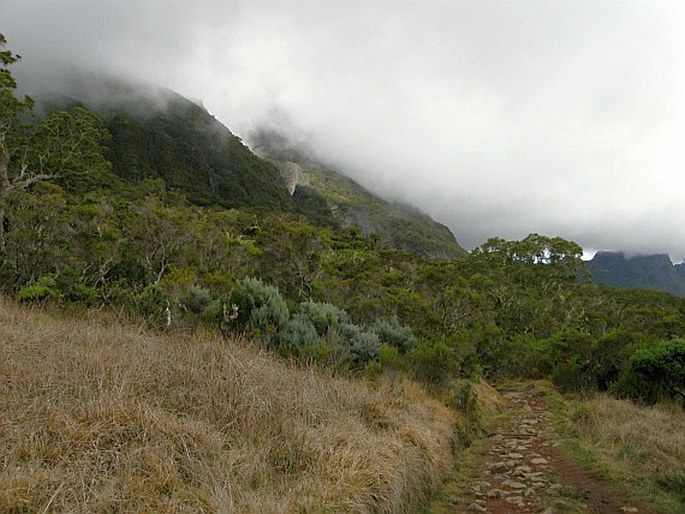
<point x="521" y="468"/>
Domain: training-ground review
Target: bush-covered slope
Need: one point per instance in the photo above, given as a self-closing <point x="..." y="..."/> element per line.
<point x="399" y="226"/>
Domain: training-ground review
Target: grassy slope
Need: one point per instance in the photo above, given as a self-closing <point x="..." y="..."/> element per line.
<point x="100" y="416"/>
<point x="642" y="449"/>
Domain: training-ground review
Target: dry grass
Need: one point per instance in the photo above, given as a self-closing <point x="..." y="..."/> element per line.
<point x="98" y="416"/>
<point x="644" y="445"/>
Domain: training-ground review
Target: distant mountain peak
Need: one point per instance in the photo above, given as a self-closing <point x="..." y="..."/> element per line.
<point x="655" y="271"/>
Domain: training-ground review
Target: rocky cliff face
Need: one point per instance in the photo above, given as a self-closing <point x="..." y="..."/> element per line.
<point x="646" y="272"/>
<point x="293" y="174"/>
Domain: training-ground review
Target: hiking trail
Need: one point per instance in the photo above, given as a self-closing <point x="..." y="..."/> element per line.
<point x="521" y="468"/>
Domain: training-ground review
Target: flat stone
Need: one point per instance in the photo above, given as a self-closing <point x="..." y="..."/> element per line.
<point x="513" y="484"/>
<point x="524" y="469"/>
<point x="496" y="493"/>
<point x="516" y="500"/>
<point x="514" y="455"/>
<point x="474" y="507"/>
<point x="629" y="509"/>
<point x="538" y="461"/>
<point x="497" y="466"/>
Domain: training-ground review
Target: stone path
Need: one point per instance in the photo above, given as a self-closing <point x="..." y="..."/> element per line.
<point x="521" y="469"/>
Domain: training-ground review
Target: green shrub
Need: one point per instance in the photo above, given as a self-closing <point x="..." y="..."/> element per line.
<point x="390" y="331"/>
<point x="322" y="316"/>
<point x="296" y="338"/>
<point x="259" y="305"/>
<point x="609" y="358"/>
<point x="662" y="365"/>
<point x="196" y="299"/>
<point x="152" y="303"/>
<point x="363" y="345"/>
<point x="464" y="399"/>
<point x="391" y="359"/>
<point x="434" y="362"/>
<point x="82" y="293"/>
<point x="119" y="295"/>
<point x="44" y="288"/>
<point x="572" y="376"/>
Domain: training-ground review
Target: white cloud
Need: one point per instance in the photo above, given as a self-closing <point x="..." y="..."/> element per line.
<point x="498" y="118"/>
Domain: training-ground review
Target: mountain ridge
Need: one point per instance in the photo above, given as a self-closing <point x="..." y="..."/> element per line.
<point x="655" y="271"/>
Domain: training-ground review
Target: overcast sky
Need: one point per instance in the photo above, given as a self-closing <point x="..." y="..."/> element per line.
<point x="497" y="118"/>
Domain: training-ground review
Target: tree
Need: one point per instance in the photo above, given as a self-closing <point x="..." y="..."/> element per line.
<point x="64" y="144"/>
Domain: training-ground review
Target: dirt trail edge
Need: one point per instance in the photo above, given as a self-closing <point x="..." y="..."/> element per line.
<point x="521" y="468"/>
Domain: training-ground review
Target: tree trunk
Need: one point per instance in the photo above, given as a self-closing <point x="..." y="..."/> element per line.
<point x="4" y="227"/>
<point x="4" y="173"/>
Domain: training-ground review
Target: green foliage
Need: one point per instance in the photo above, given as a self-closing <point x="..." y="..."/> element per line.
<point x="196" y="299"/>
<point x="464" y="399"/>
<point x="389" y="331"/>
<point x="435" y="362"/>
<point x="152" y="302"/>
<point x="193" y="153"/>
<point x="322" y="316"/>
<point x="363" y="345"/>
<point x="84" y="294"/>
<point x="662" y="365"/>
<point x="572" y="376"/>
<point x="296" y="338"/>
<point x="11" y="108"/>
<point x="44" y="288"/>
<point x="259" y="305"/>
<point x="313" y="206"/>
<point x="391" y="359"/>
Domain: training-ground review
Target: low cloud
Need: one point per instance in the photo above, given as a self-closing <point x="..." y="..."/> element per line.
<point x="497" y="118"/>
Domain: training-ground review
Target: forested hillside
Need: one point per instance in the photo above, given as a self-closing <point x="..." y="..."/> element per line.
<point x="157" y="133"/>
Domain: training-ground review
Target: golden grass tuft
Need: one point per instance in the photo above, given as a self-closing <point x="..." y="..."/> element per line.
<point x="638" y="445"/>
<point x="99" y="416"/>
<point x="651" y="437"/>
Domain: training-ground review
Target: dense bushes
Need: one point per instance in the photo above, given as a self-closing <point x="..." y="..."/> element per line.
<point x="390" y="331"/>
<point x="657" y="371"/>
<point x="152" y="255"/>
